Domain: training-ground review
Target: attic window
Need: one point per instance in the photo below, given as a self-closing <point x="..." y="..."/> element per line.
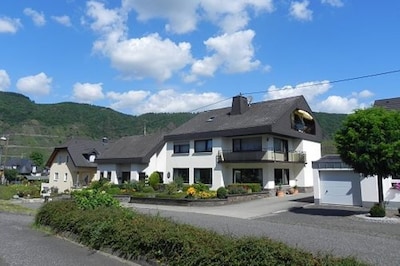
<point x="303" y="121"/>
<point x="211" y="119"/>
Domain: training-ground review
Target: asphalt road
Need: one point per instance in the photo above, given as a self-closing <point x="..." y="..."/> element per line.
<point x="20" y="245"/>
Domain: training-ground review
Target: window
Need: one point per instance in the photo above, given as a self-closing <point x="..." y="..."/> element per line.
<point x="181" y="148"/>
<point x="303" y="122"/>
<point x="203" y="175"/>
<point x="280" y="145"/>
<point x="142" y="176"/>
<point x="247" y="176"/>
<point x="65" y="177"/>
<point x="203" y="145"/>
<point x="182" y="173"/>
<point x="55" y="176"/>
<point x="247" y="144"/>
<point x="281" y="177"/>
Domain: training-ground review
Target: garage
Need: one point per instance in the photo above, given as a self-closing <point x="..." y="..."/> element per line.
<point x="336" y="182"/>
<point x="340" y="187"/>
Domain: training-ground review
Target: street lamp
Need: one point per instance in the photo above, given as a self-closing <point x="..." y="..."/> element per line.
<point x="5" y="139"/>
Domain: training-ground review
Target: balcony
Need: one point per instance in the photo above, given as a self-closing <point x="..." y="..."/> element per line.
<point x="261" y="156"/>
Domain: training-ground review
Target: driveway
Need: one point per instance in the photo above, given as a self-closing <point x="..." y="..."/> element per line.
<point x="296" y="221"/>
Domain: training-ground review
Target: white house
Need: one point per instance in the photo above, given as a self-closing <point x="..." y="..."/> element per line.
<point x="132" y="158"/>
<point x="272" y="143"/>
<point x="336" y="183"/>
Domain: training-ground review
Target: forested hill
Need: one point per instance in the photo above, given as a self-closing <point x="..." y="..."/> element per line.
<point x="40" y="127"/>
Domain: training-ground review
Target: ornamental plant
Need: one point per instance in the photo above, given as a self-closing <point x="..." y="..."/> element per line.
<point x="91" y="199"/>
<point x="191" y="192"/>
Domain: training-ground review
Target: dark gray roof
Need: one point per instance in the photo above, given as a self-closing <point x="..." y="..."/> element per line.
<point x="392" y="103"/>
<point x="264" y="117"/>
<point x="132" y="149"/>
<point x="78" y="149"/>
<point x="330" y="161"/>
<point x="22" y="165"/>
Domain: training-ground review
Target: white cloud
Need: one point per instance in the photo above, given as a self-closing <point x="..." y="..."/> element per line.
<point x="63" y="20"/>
<point x="233" y="15"/>
<point x="4" y="80"/>
<point x="300" y="11"/>
<point x="38" y="18"/>
<point x="149" y="56"/>
<point x="364" y="94"/>
<point x="88" y="92"/>
<point x="233" y="52"/>
<point x="127" y="100"/>
<point x="9" y="25"/>
<point x="338" y="104"/>
<point x="181" y="15"/>
<point x="334" y="3"/>
<point x="106" y="21"/>
<point x="39" y="84"/>
<point x="166" y="100"/>
<point x="310" y="90"/>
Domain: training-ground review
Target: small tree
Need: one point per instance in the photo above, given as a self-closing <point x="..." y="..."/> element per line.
<point x="37" y="158"/>
<point x="369" y="141"/>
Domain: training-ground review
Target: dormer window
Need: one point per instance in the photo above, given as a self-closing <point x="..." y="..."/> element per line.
<point x="302" y="121"/>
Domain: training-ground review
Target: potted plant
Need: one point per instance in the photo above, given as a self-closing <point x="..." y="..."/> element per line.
<point x="279" y="191"/>
<point x="295" y="190"/>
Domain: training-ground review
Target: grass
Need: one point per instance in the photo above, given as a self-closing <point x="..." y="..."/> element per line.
<point x="7" y="206"/>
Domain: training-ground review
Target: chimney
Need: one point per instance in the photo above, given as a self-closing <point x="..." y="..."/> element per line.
<point x="239" y="105"/>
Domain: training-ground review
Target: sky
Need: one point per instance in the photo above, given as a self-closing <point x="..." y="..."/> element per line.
<point x="137" y="56"/>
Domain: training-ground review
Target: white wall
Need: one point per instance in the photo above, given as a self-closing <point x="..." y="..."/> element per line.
<point x="62" y="165"/>
<point x="313" y="153"/>
<point x="369" y="191"/>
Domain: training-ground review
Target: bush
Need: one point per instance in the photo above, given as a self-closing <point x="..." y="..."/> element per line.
<point x="161" y="240"/>
<point x="377" y="211"/>
<point x="154" y="180"/>
<point x="179" y="182"/>
<point x="148" y="189"/>
<point x="171" y="188"/>
<point x="248" y="187"/>
<point x="237" y="190"/>
<point x="201" y="187"/>
<point x="91" y="199"/>
<point x="222" y="193"/>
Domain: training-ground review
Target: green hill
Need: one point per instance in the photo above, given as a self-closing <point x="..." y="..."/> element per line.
<point x="41" y="127"/>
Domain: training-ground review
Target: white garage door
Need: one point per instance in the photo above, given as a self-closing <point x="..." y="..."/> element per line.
<point x="340" y="187"/>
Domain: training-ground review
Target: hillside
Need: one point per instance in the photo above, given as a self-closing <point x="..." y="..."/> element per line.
<point x="41" y="127"/>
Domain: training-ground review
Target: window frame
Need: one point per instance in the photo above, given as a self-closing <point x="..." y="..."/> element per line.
<point x="242" y="144"/>
<point x="199" y="172"/>
<point x="235" y="171"/>
<point x="284" y="177"/>
<point x="176" y="172"/>
<point x="208" y="145"/>
<point x="178" y="148"/>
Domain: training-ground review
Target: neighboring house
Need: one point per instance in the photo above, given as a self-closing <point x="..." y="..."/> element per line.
<point x="272" y="143"/>
<point x="72" y="165"/>
<point x="24" y="166"/>
<point x="336" y="183"/>
<point x="132" y="158"/>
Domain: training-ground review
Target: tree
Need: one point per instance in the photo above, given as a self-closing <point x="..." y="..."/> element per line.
<point x="37" y="158"/>
<point x="369" y="141"/>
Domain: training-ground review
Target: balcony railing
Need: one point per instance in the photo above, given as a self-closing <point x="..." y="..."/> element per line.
<point x="261" y="156"/>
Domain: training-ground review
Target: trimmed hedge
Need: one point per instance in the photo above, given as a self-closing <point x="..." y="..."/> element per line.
<point x="244" y="187"/>
<point x="133" y="236"/>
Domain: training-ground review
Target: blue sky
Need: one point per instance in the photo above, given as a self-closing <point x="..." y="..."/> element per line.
<point x="176" y="55"/>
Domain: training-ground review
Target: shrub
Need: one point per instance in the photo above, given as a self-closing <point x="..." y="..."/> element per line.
<point x="154" y="180"/>
<point x="179" y="182"/>
<point x="91" y="199"/>
<point x="377" y="211"/>
<point x="201" y="187"/>
<point x="162" y="241"/>
<point x="248" y="187"/>
<point x="237" y="190"/>
<point x="222" y="193"/>
<point x="171" y="188"/>
<point x="101" y="184"/>
<point x="148" y="189"/>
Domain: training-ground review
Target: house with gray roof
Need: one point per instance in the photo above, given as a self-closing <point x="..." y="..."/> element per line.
<point x="132" y="158"/>
<point x="272" y="143"/>
<point x="73" y="165"/>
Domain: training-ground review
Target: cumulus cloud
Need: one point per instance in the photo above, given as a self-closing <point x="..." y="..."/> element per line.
<point x="334" y="3"/>
<point x="234" y="53"/>
<point x="181" y="15"/>
<point x="4" y="80"/>
<point x="39" y="84"/>
<point x="9" y="25"/>
<point x="310" y="90"/>
<point x="88" y="92"/>
<point x="300" y="11"/>
<point x="338" y="104"/>
<point x="166" y="100"/>
<point x="63" y="20"/>
<point x="37" y="17"/>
